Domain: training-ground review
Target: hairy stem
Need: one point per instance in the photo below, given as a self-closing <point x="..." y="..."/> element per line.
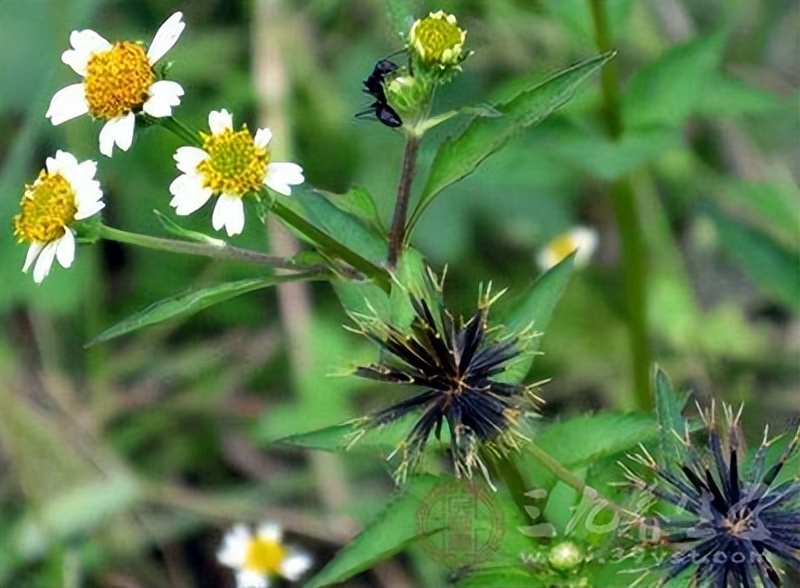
<point x="623" y="199"/>
<point x="398" y="229"/>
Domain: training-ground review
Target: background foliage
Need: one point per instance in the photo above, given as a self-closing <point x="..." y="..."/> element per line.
<point x="123" y="463"/>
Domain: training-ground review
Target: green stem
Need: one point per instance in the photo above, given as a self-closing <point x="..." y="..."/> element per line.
<point x="181" y="130"/>
<point x="398" y="229"/>
<point x="366" y="267"/>
<point x="216" y="251"/>
<point x="623" y="199"/>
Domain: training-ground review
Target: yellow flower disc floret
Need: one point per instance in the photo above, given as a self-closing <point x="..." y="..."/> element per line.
<point x="264" y="556"/>
<point x="437" y="39"/>
<point x="48" y="206"/>
<point x="236" y="165"/>
<point x="118" y="80"/>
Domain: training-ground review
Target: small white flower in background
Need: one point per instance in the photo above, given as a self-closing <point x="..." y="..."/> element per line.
<point x="118" y="82"/>
<point x="231" y="164"/>
<point x="257" y="557"/>
<point x="64" y="192"/>
<point x="584" y="239"/>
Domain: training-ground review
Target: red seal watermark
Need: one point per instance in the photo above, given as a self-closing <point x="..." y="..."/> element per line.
<point x="463" y="522"/>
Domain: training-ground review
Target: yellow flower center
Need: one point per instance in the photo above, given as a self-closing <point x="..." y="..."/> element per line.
<point x="48" y="206"/>
<point x="562" y="246"/>
<point x="236" y="165"/>
<point x="264" y="556"/>
<point x="437" y="38"/>
<point x="118" y="80"/>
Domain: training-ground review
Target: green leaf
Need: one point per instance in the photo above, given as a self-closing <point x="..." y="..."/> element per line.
<point x="460" y="156"/>
<point x="670" y="89"/>
<point x="669" y="407"/>
<point x="536" y="308"/>
<point x="772" y="207"/>
<point x="582" y="440"/>
<point x="360" y="203"/>
<point x="774" y="268"/>
<point x="186" y="304"/>
<point x="391" y="532"/>
<point x="395" y="309"/>
<point x="609" y="159"/>
<point x="381" y="439"/>
<point x="400" y="14"/>
<point x="726" y="96"/>
<point x="506" y="577"/>
<point x="342" y="226"/>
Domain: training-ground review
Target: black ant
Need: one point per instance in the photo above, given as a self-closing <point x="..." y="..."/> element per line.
<point x="373" y="86"/>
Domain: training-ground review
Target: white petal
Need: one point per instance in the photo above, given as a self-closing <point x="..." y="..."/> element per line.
<point x="546" y="259"/>
<point x="228" y="213"/>
<point x="63" y="163"/>
<point x="295" y="565"/>
<point x="44" y="261"/>
<point x="89" y="204"/>
<point x="187" y="158"/>
<point x="166" y="36"/>
<point x="263" y="137"/>
<point x="270" y="532"/>
<point x="219" y="120"/>
<point x="585" y="240"/>
<point x="65" y="249"/>
<point x="33" y="252"/>
<point x="86" y="170"/>
<point x="233" y="550"/>
<point x="249" y="579"/>
<point x="189" y="194"/>
<point x="164" y="95"/>
<point x="280" y="176"/>
<point x="117" y="130"/>
<point x="67" y="103"/>
<point x="84" y="44"/>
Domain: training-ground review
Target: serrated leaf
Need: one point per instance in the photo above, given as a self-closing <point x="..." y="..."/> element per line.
<point x="669" y="90"/>
<point x="400" y="14"/>
<point x="460" y="156"/>
<point x="536" y="308"/>
<point x="670" y="420"/>
<point x="186" y="304"/>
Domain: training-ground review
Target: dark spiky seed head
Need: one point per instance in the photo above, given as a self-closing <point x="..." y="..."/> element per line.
<point x="456" y="364"/>
<point x="732" y="527"/>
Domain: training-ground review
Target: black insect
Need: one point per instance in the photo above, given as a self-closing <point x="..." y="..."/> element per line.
<point x="373" y="86"/>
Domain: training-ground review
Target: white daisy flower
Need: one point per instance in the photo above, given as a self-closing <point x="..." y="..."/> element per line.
<point x="231" y="164"/>
<point x="64" y="192"/>
<point x="257" y="557"/>
<point x="118" y="82"/>
<point x="584" y="239"/>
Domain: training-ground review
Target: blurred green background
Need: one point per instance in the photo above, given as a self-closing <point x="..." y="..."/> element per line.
<point x="122" y="464"/>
